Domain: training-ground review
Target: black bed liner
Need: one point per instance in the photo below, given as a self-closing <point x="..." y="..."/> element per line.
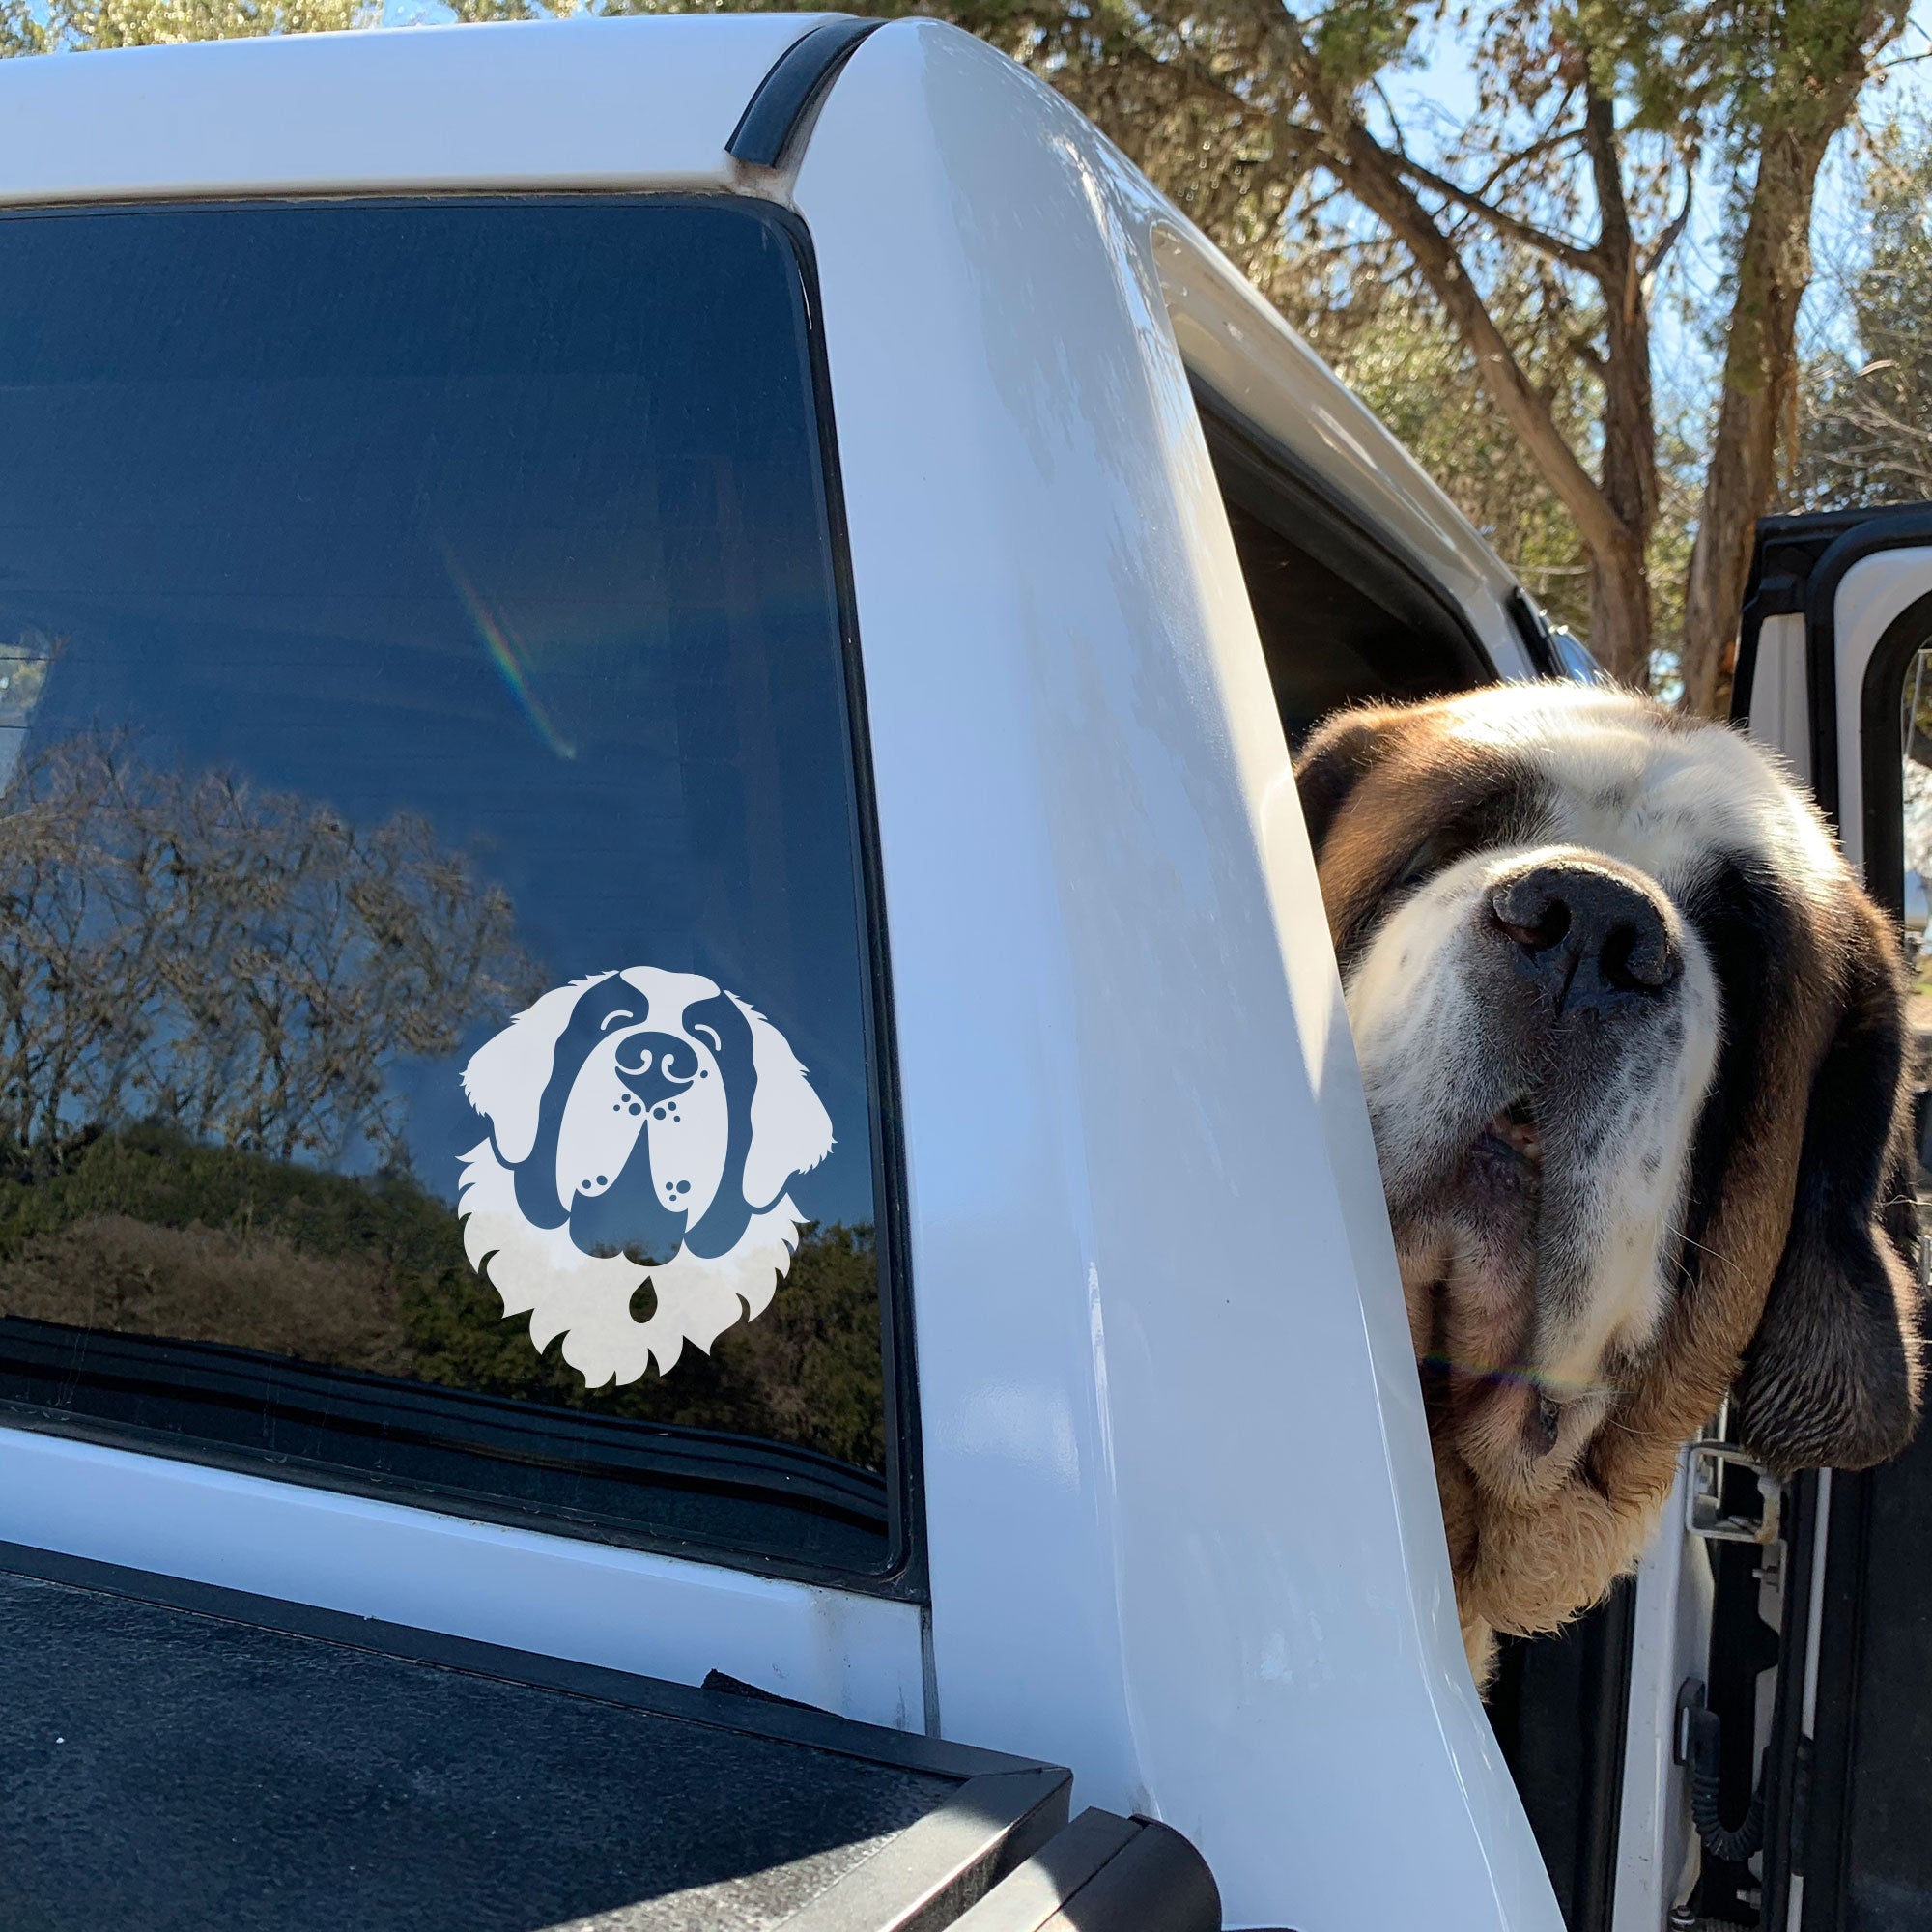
<point x="178" y="1756"/>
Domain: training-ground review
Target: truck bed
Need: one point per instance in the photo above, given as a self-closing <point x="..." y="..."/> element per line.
<point x="177" y="1756"/>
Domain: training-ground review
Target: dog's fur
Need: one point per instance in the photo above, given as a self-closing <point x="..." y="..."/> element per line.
<point x="644" y="1126"/>
<point x="1622" y="1183"/>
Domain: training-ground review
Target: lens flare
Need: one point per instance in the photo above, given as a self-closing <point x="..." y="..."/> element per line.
<point x="1514" y="1375"/>
<point x="501" y="644"/>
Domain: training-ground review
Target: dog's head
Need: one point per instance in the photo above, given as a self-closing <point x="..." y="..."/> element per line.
<point x="645" y="1109"/>
<point x="1633" y="1045"/>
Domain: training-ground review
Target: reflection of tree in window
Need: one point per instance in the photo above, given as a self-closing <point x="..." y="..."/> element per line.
<point x="1916" y="773"/>
<point x="240" y="964"/>
<point x="204" y="991"/>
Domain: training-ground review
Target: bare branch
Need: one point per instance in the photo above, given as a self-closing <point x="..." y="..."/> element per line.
<point x="1661" y="248"/>
<point x="1557" y="247"/>
<point x="1547" y="145"/>
<point x="1378" y="180"/>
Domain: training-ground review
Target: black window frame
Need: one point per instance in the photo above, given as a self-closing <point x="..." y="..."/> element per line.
<point x="698" y="1458"/>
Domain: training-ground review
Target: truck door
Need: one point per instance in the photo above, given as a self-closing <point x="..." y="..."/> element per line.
<point x="1835" y="669"/>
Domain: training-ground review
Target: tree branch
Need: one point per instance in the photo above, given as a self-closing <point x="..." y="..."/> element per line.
<point x="1557" y="247"/>
<point x="1547" y="145"/>
<point x="1614" y="248"/>
<point x="1661" y="248"/>
<point x="1376" y="178"/>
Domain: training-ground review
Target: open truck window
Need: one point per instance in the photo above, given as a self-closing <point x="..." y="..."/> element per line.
<point x="418" y="616"/>
<point x="1342" y="619"/>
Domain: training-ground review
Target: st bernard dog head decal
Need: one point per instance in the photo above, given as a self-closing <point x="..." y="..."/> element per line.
<point x="644" y="1127"/>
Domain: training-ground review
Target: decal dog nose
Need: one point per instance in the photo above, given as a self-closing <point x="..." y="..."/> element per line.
<point x="1587" y="938"/>
<point x="656" y="1066"/>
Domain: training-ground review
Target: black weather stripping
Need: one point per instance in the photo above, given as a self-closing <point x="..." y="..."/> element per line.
<point x="794" y="87"/>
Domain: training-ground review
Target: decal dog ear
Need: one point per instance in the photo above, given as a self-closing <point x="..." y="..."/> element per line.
<point x="791" y="1132"/>
<point x="506" y="1076"/>
<point x="1831" y="1379"/>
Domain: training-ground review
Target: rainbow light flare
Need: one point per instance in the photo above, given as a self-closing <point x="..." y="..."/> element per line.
<point x="1514" y="1375"/>
<point x="500" y="643"/>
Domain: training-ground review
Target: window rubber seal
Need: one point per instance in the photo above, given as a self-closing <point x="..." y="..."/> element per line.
<point x="775" y="120"/>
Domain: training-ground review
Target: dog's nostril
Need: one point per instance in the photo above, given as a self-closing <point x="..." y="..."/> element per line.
<point x="1585" y="936"/>
<point x="1534" y="920"/>
<point x="1639" y="960"/>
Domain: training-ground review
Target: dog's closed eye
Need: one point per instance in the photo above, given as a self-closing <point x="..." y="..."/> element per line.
<point x="710" y="1034"/>
<point x="1425" y="858"/>
<point x="611" y="1019"/>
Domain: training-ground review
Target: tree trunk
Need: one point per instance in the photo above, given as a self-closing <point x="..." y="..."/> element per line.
<point x="1613" y="515"/>
<point x="1620" y="635"/>
<point x="1761" y="357"/>
<point x="1760" y="371"/>
<point x="1620" y="632"/>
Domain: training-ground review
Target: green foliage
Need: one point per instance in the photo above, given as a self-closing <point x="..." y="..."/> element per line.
<point x="1357" y="39"/>
<point x="1392" y="346"/>
<point x="148" y="1232"/>
<point x="75" y="24"/>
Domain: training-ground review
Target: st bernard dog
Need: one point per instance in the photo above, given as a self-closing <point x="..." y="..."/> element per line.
<point x="644" y="1126"/>
<point x="1634" y="1043"/>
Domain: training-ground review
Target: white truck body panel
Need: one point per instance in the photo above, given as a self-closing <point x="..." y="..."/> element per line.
<point x="413" y="108"/>
<point x="1240" y="347"/>
<point x="1181" y="1512"/>
<point x="592" y="1602"/>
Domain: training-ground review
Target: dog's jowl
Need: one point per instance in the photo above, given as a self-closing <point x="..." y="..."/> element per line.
<point x="1633" y="1045"/>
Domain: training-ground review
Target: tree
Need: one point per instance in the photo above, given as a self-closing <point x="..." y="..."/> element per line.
<point x="1865" y="405"/>
<point x="1539" y="228"/>
<point x="69" y="24"/>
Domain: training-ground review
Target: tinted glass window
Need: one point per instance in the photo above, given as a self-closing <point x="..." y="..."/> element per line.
<point x="415" y="618"/>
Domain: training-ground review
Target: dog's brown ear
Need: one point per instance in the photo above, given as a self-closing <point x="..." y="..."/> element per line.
<point x="1338" y="754"/>
<point x="1831" y="1380"/>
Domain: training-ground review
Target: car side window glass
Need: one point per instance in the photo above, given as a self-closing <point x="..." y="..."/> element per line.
<point x="440" y="1048"/>
<point x="1915" y="721"/>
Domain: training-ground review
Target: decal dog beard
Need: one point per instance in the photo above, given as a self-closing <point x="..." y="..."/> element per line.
<point x="644" y="1126"/>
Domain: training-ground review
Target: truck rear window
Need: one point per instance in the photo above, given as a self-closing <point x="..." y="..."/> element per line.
<point x="438" y="1046"/>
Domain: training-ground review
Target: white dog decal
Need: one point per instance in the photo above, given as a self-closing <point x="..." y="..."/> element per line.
<point x="644" y="1126"/>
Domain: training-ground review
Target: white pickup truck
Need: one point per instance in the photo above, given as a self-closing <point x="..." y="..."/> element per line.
<point x="761" y="546"/>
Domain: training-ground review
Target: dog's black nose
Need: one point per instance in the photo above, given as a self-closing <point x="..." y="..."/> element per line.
<point x="656" y="1066"/>
<point x="1587" y="937"/>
